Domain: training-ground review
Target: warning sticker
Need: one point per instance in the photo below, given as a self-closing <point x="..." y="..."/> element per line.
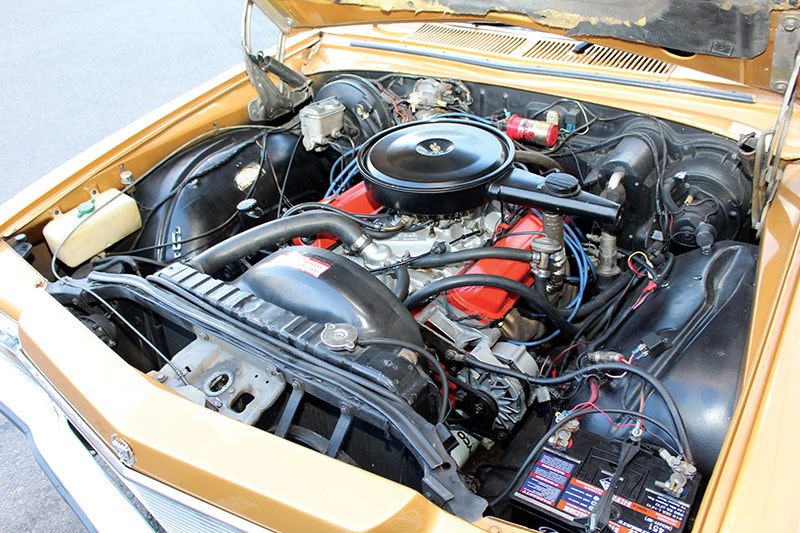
<point x="662" y="513"/>
<point x="583" y="486"/>
<point x="666" y="506"/>
<point x="309" y="265"/>
<point x="548" y="478"/>
<point x="580" y="498"/>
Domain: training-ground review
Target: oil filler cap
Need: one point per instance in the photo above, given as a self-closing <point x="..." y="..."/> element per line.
<point x="561" y="185"/>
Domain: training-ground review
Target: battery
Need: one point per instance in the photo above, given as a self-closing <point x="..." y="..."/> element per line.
<point x="562" y="488"/>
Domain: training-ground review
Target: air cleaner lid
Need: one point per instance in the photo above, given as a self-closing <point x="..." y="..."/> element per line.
<point x="444" y="155"/>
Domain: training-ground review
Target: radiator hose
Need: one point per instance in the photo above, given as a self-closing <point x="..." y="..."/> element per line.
<point x="275" y="231"/>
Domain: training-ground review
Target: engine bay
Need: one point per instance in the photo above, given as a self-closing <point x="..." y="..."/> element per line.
<point x="516" y="304"/>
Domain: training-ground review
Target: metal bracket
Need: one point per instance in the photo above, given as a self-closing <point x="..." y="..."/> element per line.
<point x="767" y="171"/>
<point x="787" y="39"/>
<point x="290" y="410"/>
<point x="340" y="432"/>
<point x="273" y="100"/>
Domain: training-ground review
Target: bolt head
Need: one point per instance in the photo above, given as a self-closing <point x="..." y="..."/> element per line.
<point x="790" y="24"/>
<point x="780" y="86"/>
<point x="126" y="177"/>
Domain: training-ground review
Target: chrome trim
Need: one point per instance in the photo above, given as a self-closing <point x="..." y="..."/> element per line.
<point x="557" y="73"/>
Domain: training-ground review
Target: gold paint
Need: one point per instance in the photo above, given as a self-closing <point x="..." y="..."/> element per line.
<point x="326" y="13"/>
<point x="751" y="490"/>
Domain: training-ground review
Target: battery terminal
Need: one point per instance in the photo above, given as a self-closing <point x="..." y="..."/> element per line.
<point x="637" y="432"/>
<point x="562" y="439"/>
<point x="682" y="472"/>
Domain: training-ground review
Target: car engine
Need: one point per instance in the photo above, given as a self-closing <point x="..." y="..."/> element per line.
<point x="445" y="283"/>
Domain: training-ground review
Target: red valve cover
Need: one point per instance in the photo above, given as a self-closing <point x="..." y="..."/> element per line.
<point x="490" y="302"/>
<point x="353" y="200"/>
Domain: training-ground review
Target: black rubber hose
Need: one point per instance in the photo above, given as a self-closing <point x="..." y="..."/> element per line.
<point x="534" y="453"/>
<point x="592" y="324"/>
<point x="604" y="297"/>
<point x="105" y="265"/>
<point x="365" y="224"/>
<point x="533" y="298"/>
<point x="473" y="254"/>
<point x="669" y="262"/>
<point x="100" y="263"/>
<point x="402" y="282"/>
<point x="600" y="368"/>
<point x="618" y="286"/>
<point x="666" y="195"/>
<point x="444" y="399"/>
<point x="275" y="231"/>
<point x="380" y="234"/>
<point x="537" y="158"/>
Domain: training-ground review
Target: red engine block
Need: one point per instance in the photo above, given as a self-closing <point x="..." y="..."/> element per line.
<point x="489" y="303"/>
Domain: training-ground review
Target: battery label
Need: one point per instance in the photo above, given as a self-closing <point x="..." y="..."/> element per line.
<point x="551" y="483"/>
<point x="548" y="478"/>
<point x="666" y="506"/>
<point x="580" y="498"/>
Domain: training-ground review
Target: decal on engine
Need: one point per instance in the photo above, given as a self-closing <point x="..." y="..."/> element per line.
<point x="305" y="264"/>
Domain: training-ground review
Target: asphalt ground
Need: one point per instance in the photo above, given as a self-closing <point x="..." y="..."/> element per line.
<point x="72" y="73"/>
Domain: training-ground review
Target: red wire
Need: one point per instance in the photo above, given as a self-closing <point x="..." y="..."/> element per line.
<point x="567" y="349"/>
<point x="610" y="420"/>
<point x="594" y="395"/>
<point x="633" y="268"/>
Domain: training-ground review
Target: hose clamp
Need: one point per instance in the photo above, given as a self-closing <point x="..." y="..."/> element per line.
<point x="361" y="243"/>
